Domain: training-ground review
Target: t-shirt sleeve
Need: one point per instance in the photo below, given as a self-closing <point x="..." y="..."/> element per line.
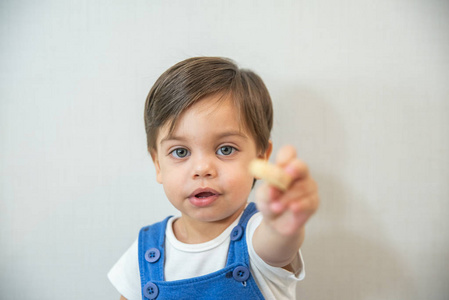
<point x="125" y="275"/>
<point x="274" y="282"/>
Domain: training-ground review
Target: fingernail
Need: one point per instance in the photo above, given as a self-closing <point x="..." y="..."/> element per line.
<point x="291" y="170"/>
<point x="276" y="206"/>
<point x="273" y="193"/>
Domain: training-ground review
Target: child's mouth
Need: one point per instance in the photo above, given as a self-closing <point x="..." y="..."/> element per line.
<point x="203" y="197"/>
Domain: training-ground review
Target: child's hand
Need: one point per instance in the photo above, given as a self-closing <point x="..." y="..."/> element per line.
<point x="288" y="211"/>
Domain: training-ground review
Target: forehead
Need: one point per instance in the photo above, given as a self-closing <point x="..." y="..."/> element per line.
<point x="213" y="114"/>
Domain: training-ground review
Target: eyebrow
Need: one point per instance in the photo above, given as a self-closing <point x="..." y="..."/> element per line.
<point x="172" y="138"/>
<point x="219" y="136"/>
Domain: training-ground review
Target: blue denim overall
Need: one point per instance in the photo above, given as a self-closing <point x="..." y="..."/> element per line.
<point x="234" y="281"/>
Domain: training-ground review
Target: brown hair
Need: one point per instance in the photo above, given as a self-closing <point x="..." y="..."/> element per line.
<point x="195" y="78"/>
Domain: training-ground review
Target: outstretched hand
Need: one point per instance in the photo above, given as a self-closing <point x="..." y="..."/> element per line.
<point x="287" y="211"/>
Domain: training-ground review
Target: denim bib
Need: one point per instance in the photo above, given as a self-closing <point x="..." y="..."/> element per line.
<point x="234" y="281"/>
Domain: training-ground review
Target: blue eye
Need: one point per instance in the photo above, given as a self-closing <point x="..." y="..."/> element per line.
<point x="180" y="152"/>
<point x="226" y="150"/>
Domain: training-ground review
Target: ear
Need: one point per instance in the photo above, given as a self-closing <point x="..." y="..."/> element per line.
<point x="156" y="165"/>
<point x="266" y="155"/>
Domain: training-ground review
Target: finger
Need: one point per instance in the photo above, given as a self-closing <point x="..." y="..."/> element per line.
<point x="297" y="169"/>
<point x="262" y="194"/>
<point x="274" y="193"/>
<point x="285" y="155"/>
<point x="264" y="199"/>
<point x="277" y="207"/>
<point x="301" y="198"/>
<point x="300" y="190"/>
<point x="307" y="207"/>
<point x="274" y="205"/>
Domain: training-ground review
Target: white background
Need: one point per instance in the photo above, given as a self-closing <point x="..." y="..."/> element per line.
<point x="361" y="88"/>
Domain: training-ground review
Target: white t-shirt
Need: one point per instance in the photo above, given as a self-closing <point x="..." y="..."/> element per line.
<point x="192" y="260"/>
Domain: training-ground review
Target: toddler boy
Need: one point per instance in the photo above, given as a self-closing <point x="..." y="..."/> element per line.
<point x="205" y="121"/>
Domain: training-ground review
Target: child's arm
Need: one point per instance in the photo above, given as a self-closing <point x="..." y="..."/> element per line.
<point x="281" y="233"/>
<point x="122" y="298"/>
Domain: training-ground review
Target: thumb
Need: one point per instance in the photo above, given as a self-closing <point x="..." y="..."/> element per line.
<point x="264" y="197"/>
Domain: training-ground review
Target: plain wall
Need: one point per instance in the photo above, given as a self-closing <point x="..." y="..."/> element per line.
<point x="361" y="88"/>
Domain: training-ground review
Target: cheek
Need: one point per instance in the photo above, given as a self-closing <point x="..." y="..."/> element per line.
<point x="240" y="180"/>
<point x="172" y="176"/>
<point x="172" y="181"/>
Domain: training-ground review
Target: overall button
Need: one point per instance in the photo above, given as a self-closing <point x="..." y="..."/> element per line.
<point x="240" y="273"/>
<point x="150" y="290"/>
<point x="236" y="233"/>
<point x="152" y="255"/>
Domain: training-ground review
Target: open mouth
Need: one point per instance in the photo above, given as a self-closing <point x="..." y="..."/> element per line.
<point x="204" y="195"/>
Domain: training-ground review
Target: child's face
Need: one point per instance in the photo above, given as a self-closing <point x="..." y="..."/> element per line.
<point x="203" y="165"/>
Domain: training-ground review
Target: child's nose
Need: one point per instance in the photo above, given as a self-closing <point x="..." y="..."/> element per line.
<point x="204" y="168"/>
